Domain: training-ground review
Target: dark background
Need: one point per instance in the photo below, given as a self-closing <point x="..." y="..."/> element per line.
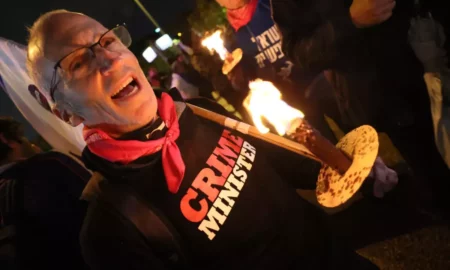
<point x="17" y="15"/>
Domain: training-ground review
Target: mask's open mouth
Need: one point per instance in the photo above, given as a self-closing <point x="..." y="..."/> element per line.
<point x="128" y="89"/>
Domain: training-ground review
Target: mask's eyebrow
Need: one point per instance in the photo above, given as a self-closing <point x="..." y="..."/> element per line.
<point x="69" y="42"/>
<point x="82" y="41"/>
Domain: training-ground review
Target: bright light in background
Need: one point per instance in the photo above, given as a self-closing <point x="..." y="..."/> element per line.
<point x="164" y="42"/>
<point x="179" y="34"/>
<point x="149" y="54"/>
<point x="157" y="30"/>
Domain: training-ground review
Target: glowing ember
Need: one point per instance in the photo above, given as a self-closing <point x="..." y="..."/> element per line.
<point x="215" y="43"/>
<point x="264" y="100"/>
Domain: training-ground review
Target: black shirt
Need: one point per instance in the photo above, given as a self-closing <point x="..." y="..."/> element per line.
<point x="237" y="207"/>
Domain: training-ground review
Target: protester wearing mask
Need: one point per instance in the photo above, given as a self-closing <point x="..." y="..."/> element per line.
<point x="218" y="192"/>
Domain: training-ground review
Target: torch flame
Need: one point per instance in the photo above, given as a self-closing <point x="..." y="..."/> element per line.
<point x="215" y="43"/>
<point x="264" y="99"/>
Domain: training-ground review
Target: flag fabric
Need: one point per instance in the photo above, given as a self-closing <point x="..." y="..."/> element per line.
<point x="14" y="80"/>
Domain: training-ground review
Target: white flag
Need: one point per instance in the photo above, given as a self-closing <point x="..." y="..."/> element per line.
<point x="15" y="81"/>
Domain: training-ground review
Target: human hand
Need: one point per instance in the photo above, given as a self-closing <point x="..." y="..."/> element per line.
<point x="367" y="13"/>
<point x="426" y="37"/>
<point x="385" y="178"/>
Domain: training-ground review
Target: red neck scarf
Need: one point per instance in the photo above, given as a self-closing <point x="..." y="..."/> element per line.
<point x="242" y="16"/>
<point x="102" y="145"/>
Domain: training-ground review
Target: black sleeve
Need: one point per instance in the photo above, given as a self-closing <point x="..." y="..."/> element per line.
<point x="300" y="171"/>
<point x="310" y="41"/>
<point x="108" y="241"/>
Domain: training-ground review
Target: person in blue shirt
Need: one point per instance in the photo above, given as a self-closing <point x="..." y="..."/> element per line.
<point x="257" y="35"/>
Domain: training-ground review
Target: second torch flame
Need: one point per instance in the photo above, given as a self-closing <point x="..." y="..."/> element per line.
<point x="215" y="43"/>
<point x="264" y="100"/>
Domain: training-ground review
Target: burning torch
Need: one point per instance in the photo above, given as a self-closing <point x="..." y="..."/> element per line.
<point x="344" y="166"/>
<point x="214" y="43"/>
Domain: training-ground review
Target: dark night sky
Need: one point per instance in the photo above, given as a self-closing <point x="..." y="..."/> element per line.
<point x="20" y="14"/>
<point x="17" y="15"/>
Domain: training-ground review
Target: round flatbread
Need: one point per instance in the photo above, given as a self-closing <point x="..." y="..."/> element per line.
<point x="361" y="144"/>
<point x="228" y="65"/>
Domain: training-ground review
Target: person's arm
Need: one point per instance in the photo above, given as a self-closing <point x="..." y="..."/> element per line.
<point x="312" y="45"/>
<point x="438" y="90"/>
<point x="427" y="38"/>
<point x="111" y="242"/>
<point x="315" y="43"/>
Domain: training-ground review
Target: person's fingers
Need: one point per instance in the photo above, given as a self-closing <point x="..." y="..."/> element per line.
<point x="391" y="180"/>
<point x="379" y="174"/>
<point x="383" y="10"/>
<point x="380" y="171"/>
<point x="379" y="160"/>
<point x="387" y="7"/>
